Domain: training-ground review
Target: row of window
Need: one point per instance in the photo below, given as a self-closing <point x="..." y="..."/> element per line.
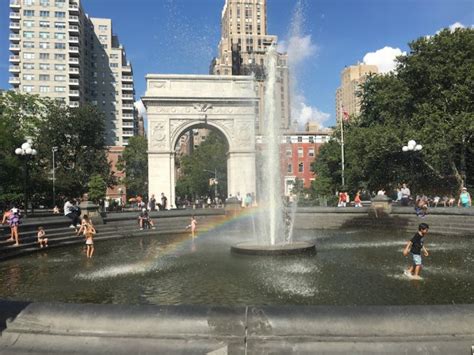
<point x="44" y="77"/>
<point x="300" y="168"/>
<point x="44" y="66"/>
<point x="289" y="152"/>
<point x="44" y="24"/>
<point x="57" y="3"/>
<point x="44" y="13"/>
<point x="44" y="35"/>
<point x="44" y="56"/>
<point x="43" y="89"/>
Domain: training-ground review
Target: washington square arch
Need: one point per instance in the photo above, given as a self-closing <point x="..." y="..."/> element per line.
<point x="178" y="103"/>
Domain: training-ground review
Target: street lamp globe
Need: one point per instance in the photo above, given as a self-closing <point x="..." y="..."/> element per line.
<point x="18" y="151"/>
<point x="418" y="147"/>
<point x="26" y="146"/>
<point x="411" y="144"/>
<point x="405" y="148"/>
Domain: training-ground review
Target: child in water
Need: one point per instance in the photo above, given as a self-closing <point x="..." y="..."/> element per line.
<point x="415" y="247"/>
<point x="193" y="226"/>
<point x="89" y="232"/>
<point x="42" y="240"/>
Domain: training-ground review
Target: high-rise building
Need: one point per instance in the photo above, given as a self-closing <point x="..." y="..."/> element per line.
<point x="58" y="51"/>
<point x="242" y="49"/>
<point x="352" y="78"/>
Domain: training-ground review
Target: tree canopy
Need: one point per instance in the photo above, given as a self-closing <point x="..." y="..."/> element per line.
<point x="134" y="163"/>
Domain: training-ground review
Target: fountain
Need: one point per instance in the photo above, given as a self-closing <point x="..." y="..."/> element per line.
<point x="273" y="225"/>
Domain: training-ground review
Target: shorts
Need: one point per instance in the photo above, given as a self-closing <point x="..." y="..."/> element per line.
<point x="89" y="242"/>
<point x="417" y="259"/>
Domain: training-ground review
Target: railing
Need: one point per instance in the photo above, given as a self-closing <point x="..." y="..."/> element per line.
<point x="127" y="78"/>
<point x="14" y="68"/>
<point x="15" y="3"/>
<point x="14" y="57"/>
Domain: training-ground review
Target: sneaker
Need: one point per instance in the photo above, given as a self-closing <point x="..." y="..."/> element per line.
<point x="72" y="226"/>
<point x="153" y="227"/>
<point x="141" y="229"/>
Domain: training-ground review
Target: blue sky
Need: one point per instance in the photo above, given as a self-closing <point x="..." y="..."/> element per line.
<point x="181" y="36"/>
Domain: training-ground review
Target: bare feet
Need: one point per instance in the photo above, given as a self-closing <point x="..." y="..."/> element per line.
<point x="16" y="244"/>
<point x="10" y="239"/>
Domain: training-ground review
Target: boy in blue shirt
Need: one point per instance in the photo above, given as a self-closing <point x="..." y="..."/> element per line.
<point x="415" y="247"/>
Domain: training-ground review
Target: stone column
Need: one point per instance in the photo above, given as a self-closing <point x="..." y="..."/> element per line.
<point x="241" y="173"/>
<point x="160" y="175"/>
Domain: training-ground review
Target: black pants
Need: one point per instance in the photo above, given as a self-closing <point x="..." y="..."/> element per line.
<point x="75" y="220"/>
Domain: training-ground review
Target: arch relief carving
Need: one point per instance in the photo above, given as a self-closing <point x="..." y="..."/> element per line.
<point x="158" y="134"/>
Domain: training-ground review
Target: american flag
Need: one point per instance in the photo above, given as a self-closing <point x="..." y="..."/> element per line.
<point x="345" y="114"/>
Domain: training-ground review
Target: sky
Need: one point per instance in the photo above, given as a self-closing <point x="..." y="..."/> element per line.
<point x="321" y="37"/>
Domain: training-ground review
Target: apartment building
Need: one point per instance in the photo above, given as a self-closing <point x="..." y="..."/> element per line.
<point x="347" y="98"/>
<point x="58" y="51"/>
<point x="242" y="49"/>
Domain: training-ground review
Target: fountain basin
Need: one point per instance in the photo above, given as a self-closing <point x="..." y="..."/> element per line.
<point x="296" y="248"/>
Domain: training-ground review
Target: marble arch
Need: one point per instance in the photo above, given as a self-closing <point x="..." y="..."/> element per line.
<point x="175" y="103"/>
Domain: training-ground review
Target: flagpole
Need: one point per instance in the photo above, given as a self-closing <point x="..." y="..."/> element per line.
<point x="342" y="149"/>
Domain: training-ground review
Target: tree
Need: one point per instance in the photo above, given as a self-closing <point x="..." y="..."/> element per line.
<point x="134" y="163"/>
<point x="198" y="167"/>
<point x="97" y="188"/>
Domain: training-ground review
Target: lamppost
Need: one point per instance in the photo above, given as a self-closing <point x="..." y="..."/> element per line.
<point x="120" y="191"/>
<point x="54" y="150"/>
<point x="27" y="152"/>
<point x="412" y="146"/>
<point x="214" y="181"/>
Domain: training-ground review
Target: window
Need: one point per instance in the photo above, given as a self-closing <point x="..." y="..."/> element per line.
<point x="114" y="56"/>
<point x="311" y="152"/>
<point x="59" y="14"/>
<point x="44" y="55"/>
<point x="44" y="13"/>
<point x="44" y="2"/>
<point x="288" y="153"/>
<point x="300" y="139"/>
<point x="300" y="152"/>
<point x="28" y="13"/>
<point x="28" y="77"/>
<point x="44" y="35"/>
<point x="288" y="139"/>
<point x="44" y="88"/>
<point x="44" y="45"/>
<point x="102" y="27"/>
<point x="28" y="34"/>
<point x="59" y="3"/>
<point x="60" y="46"/>
<point x="28" y="44"/>
<point x="289" y="168"/>
<point x="301" y="167"/>
<point x="104" y="46"/>
<point x="60" y="25"/>
<point x="28" y="88"/>
<point x="59" y="56"/>
<point x="28" y="23"/>
<point x="60" y="67"/>
<point x="44" y="24"/>
<point x="44" y="77"/>
<point x="28" y="55"/>
<point x="28" y="66"/>
<point x="103" y="38"/>
<point x="59" y="78"/>
<point x="59" y="35"/>
<point x="311" y="139"/>
<point x="60" y="89"/>
<point x="114" y="65"/>
<point x="28" y="2"/>
<point x="44" y="66"/>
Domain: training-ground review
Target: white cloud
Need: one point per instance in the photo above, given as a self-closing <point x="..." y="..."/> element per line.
<point x="302" y="113"/>
<point x="383" y="58"/>
<point x="140" y="107"/>
<point x="299" y="48"/>
<point x="456" y="25"/>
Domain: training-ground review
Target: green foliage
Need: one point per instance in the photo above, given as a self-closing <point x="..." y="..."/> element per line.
<point x="97" y="188"/>
<point x="429" y="99"/>
<point x="198" y="167"/>
<point x="134" y="163"/>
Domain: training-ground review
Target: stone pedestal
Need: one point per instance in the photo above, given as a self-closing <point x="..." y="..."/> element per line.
<point x="232" y="206"/>
<point x="381" y="206"/>
<point x="91" y="209"/>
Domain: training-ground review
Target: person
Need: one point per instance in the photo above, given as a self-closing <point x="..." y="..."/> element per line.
<point x="436" y="201"/>
<point x="248" y="200"/>
<point x="12" y="218"/>
<point x="72" y="212"/>
<point x="193" y="226"/>
<point x="357" y="200"/>
<point x="381" y="192"/>
<point x="406" y="193"/>
<point x="464" y="198"/>
<point x="56" y="210"/>
<point x="144" y="220"/>
<point x="451" y="201"/>
<point x="164" y="200"/>
<point x="89" y="232"/>
<point x="84" y="222"/>
<point x="342" y="199"/>
<point x="152" y="203"/>
<point x="399" y="195"/>
<point x="42" y="240"/>
<point x="415" y="247"/>
<point x="421" y="206"/>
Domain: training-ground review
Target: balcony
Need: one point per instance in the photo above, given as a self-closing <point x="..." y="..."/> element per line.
<point x="14" y="37"/>
<point x="14" y="47"/>
<point x="127" y="116"/>
<point x="73" y="28"/>
<point x="15" y="4"/>
<point x="128" y="124"/>
<point x="14" y="80"/>
<point x="14" y="69"/>
<point x="128" y="97"/>
<point x="126" y="69"/>
<point x="73" y="7"/>
<point x="73" y="82"/>
<point x="74" y="19"/>
<point x="73" y="39"/>
<point x="127" y="78"/>
<point x="74" y="93"/>
<point x="74" y="71"/>
<point x="15" y="58"/>
<point x="74" y="104"/>
<point x="127" y="133"/>
<point x="127" y="87"/>
<point x="127" y="107"/>
<point x="15" y="15"/>
<point x="73" y="49"/>
<point x="14" y="25"/>
<point x="73" y="61"/>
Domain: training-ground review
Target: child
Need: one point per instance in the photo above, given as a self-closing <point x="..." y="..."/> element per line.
<point x="89" y="232"/>
<point x="192" y="226"/>
<point x="415" y="247"/>
<point x="12" y="217"/>
<point x="42" y="241"/>
<point x="144" y="219"/>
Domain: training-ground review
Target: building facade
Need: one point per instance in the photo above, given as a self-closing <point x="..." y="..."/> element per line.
<point x="242" y="48"/>
<point x="58" y="51"/>
<point x="347" y="99"/>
